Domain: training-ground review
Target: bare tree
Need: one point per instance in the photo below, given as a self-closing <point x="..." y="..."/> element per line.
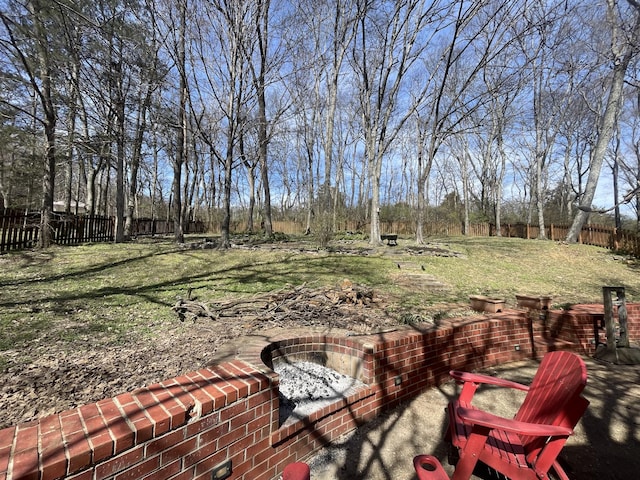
<point x="543" y="46"/>
<point x="151" y="74"/>
<point x="318" y="46"/>
<point x="479" y="34"/>
<point x="625" y="41"/>
<point x="259" y="77"/>
<point x="178" y="48"/>
<point x="304" y="89"/>
<point x="224" y="96"/>
<point x="38" y="73"/>
<point x="389" y="44"/>
<point x="344" y="26"/>
<point x="630" y="165"/>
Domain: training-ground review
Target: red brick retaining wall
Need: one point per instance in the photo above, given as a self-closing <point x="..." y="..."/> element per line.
<point x="184" y="427"/>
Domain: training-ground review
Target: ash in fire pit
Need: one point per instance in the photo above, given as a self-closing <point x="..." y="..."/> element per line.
<point x="306" y="387"/>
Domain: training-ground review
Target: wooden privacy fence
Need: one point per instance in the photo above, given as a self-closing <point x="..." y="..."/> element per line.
<point x="20" y="229"/>
<point x="597" y="235"/>
<point x="403" y="228"/>
<point x="72" y="229"/>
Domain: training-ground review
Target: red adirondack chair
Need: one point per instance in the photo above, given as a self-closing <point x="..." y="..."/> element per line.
<point x="528" y="446"/>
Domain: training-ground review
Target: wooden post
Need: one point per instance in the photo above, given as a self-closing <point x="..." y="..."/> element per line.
<point x="623" y="341"/>
<point x="608" y="319"/>
<point x="620" y="303"/>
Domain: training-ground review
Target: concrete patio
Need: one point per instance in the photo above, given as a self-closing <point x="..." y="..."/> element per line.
<point x="606" y="443"/>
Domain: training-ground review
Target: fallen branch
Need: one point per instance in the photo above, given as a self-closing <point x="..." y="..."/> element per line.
<point x="300" y="302"/>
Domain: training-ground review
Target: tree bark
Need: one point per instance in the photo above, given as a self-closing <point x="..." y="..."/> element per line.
<point x="181" y="141"/>
<point x="41" y="83"/>
<point x="120" y="146"/>
<point x="50" y="120"/>
<point x="136" y="154"/>
<point x="262" y="35"/>
<point x="608" y="121"/>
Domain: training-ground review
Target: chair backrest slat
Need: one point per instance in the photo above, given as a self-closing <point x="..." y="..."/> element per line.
<point x="552" y="395"/>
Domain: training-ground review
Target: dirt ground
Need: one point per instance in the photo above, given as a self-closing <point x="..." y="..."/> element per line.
<point x="42" y="378"/>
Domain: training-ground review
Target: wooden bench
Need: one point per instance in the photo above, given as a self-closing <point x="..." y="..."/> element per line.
<point x="391" y="238"/>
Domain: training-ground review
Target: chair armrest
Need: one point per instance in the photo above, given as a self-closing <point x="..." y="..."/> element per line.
<point x="478" y="378"/>
<point x="429" y="468"/>
<point x="489" y="420"/>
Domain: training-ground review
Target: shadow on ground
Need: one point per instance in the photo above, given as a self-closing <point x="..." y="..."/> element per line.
<point x="606" y="443"/>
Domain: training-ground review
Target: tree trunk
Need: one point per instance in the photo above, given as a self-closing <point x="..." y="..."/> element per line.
<point x="310" y="190"/>
<point x="264" y="166"/>
<point x="262" y="33"/>
<point x="68" y="175"/>
<point x="225" y="238"/>
<point x="71" y="123"/>
<point x="46" y="228"/>
<point x="136" y="155"/>
<point x="607" y="126"/>
<point x="539" y="192"/>
<point x="423" y="173"/>
<point x="120" y="145"/>
<point x="251" y="180"/>
<point x="104" y="185"/>
<point x="91" y="191"/>
<point x="181" y="141"/>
